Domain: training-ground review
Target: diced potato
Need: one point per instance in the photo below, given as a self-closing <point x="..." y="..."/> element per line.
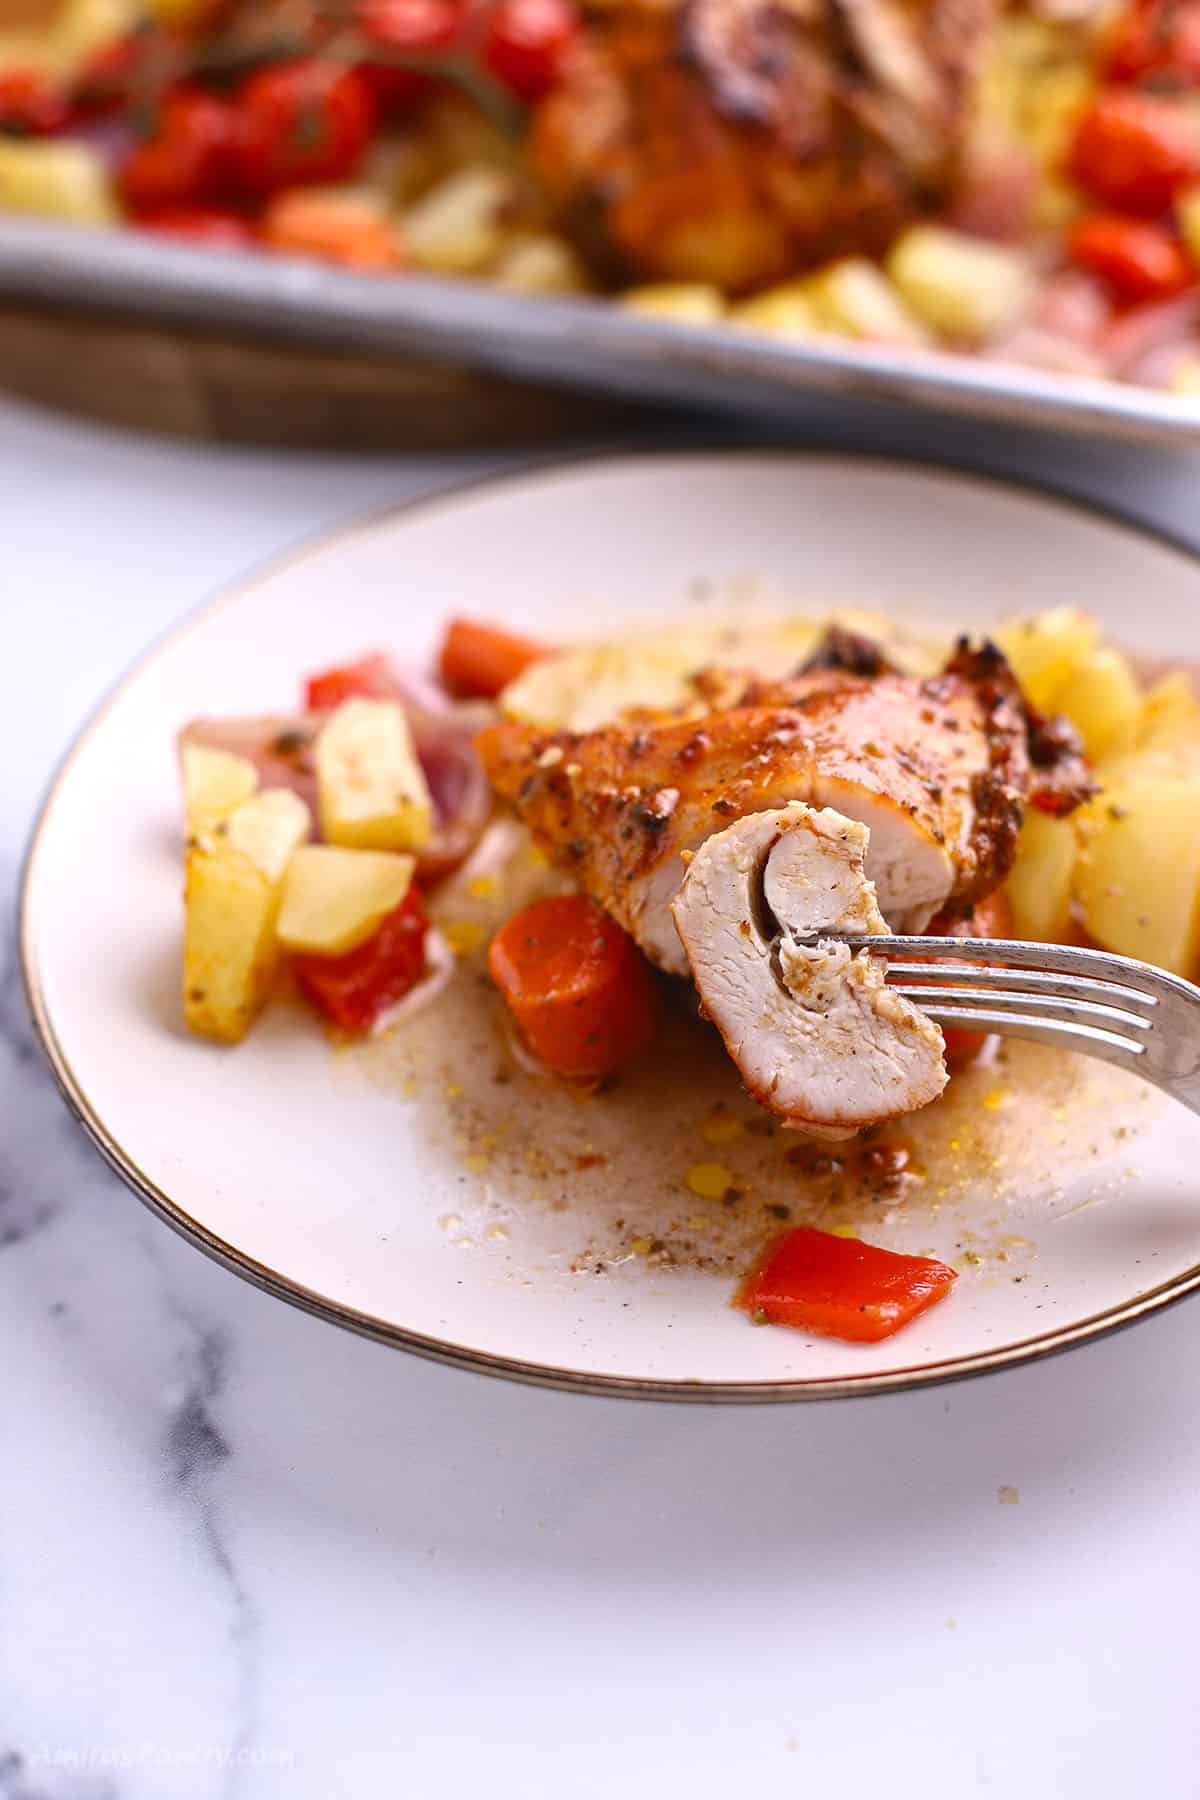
<point x="959" y="286"/>
<point x="1185" y="378"/>
<point x="1102" y="699"/>
<point x="57" y="37"/>
<point x="1165" y="740"/>
<point x="1035" y="82"/>
<point x="234" y="876"/>
<point x="579" y="689"/>
<point x="462" y="224"/>
<point x="1167" y="760"/>
<point x="784" y="311"/>
<point x="1039" y="887"/>
<point x="1187" y="210"/>
<point x="179" y="13"/>
<point x="214" y="782"/>
<point x="371" y="790"/>
<point x="85" y="26"/>
<point x="333" y="899"/>
<point x="229" y="949"/>
<point x="855" y="299"/>
<point x="1170" y="711"/>
<point x="1138" y="874"/>
<point x="1053" y="103"/>
<point x="682" y="302"/>
<point x="540" y="264"/>
<point x="57" y="180"/>
<point x="266" y="829"/>
<point x="1046" y="650"/>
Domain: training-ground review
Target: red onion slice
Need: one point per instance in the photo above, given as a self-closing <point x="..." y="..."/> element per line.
<point x="281" y="749"/>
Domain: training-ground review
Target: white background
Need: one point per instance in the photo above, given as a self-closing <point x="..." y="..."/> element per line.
<point x="242" y="1553"/>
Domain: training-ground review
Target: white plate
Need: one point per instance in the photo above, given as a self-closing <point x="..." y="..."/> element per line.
<point x="362" y="1189"/>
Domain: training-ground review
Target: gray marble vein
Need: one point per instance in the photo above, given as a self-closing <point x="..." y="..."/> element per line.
<point x="195" y="1449"/>
<point x="20" y="1782"/>
<point x="16" y="1031"/>
<point x="33" y="1187"/>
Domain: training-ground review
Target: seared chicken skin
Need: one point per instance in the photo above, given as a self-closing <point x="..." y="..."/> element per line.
<point x="938" y="770"/>
<point x="815" y="1033"/>
<point x="735" y="141"/>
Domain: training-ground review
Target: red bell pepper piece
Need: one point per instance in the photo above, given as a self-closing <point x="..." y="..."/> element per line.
<point x="527" y="43"/>
<point x="841" y="1287"/>
<point x="1133" y="152"/>
<point x="372" y="677"/>
<point x="1139" y="262"/>
<point x="185" y="162"/>
<point x="216" y="227"/>
<point x="352" y="990"/>
<point x="420" y="28"/>
<point x="1158" y="41"/>
<point x="305" y="120"/>
<point x="31" y="105"/>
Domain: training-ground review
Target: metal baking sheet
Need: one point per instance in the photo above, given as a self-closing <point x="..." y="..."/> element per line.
<point x="579" y="343"/>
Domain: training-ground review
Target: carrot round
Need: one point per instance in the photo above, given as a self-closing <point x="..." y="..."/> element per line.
<point x="580" y="992"/>
<point x="478" y="661"/>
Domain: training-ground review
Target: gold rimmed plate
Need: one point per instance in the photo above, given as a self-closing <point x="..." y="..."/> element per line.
<point x="426" y="1192"/>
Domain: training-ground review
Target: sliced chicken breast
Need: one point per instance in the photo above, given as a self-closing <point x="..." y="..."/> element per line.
<point x="938" y="769"/>
<point x="816" y="1034"/>
<point x="622" y="806"/>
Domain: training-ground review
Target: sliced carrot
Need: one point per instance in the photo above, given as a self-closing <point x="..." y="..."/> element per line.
<point x="333" y="227"/>
<point x="839" y="1287"/>
<point x="477" y="660"/>
<point x="992" y="918"/>
<point x="579" y="990"/>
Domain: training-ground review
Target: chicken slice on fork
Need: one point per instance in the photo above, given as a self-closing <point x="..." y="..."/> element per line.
<point x="816" y="1034"/>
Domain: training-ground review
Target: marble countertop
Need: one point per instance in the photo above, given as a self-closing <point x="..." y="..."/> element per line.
<point x="244" y="1554"/>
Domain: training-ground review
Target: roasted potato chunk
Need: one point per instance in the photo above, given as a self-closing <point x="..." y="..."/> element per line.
<point x="214" y="782"/>
<point x="1138" y="874"/>
<point x="57" y="181"/>
<point x="1102" y="699"/>
<point x="1039" y="886"/>
<point x="371" y="790"/>
<point x="334" y="899"/>
<point x="960" y="287"/>
<point x="234" y="876"/>
<point x="1046" y="651"/>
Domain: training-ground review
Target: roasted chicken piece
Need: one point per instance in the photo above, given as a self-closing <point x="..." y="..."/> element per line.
<point x="815" y="1033"/>
<point x="735" y="141"/>
<point x="938" y="770"/>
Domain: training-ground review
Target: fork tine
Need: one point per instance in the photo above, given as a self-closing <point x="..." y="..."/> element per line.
<point x="1134" y="1015"/>
<point x="1065" y="1008"/>
<point x="1033" y="982"/>
<point x="1091" y="1040"/>
<point x="1058" y="959"/>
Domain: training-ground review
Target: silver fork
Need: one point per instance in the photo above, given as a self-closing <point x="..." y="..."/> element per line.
<point x="1124" y="1011"/>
